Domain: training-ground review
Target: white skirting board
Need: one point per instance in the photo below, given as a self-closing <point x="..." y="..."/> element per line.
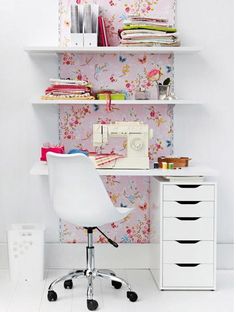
<point x="135" y="256"/>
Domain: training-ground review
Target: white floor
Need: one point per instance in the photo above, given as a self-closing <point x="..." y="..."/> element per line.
<point x="33" y="297"/>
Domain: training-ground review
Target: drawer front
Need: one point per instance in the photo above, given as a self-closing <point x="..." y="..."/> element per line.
<point x="188" y="209"/>
<point x="185" y="229"/>
<point x="189" y="192"/>
<point x="175" y="275"/>
<point x="188" y="252"/>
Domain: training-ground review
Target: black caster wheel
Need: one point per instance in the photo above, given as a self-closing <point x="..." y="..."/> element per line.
<point x="52" y="295"/>
<point x="92" y="304"/>
<point x="68" y="284"/>
<point x="132" y="296"/>
<point x="116" y="285"/>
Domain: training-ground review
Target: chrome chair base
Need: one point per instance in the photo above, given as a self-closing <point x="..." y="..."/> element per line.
<point x="90" y="273"/>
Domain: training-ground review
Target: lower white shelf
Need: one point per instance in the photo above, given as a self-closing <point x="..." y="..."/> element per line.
<point x="41" y="169"/>
<point x="38" y="101"/>
<point x="116" y="102"/>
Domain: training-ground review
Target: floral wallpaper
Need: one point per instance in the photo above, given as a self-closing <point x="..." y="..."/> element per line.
<point x="125" y="73"/>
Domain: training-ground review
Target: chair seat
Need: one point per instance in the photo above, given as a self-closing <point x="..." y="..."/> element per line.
<point x="117" y="213"/>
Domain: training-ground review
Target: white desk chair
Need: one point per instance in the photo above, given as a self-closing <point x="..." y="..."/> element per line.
<point x="79" y="197"/>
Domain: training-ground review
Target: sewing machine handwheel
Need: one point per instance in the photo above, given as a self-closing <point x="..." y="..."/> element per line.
<point x="137" y="144"/>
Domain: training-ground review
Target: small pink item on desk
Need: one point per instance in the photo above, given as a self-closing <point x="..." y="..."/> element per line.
<point x="54" y="149"/>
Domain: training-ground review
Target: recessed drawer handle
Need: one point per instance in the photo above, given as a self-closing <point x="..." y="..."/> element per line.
<point x="187" y="218"/>
<point x="189" y="202"/>
<point x="190" y="265"/>
<point x="188" y="241"/>
<point x="187" y="186"/>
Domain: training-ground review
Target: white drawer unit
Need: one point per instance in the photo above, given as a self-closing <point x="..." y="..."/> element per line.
<point x="188" y="228"/>
<point x="188" y="192"/>
<point x="188" y="275"/>
<point x="188" y="209"/>
<point x="184" y="238"/>
<point x="188" y="251"/>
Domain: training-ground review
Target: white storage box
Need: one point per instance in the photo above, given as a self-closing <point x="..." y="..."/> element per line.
<point x="26" y="252"/>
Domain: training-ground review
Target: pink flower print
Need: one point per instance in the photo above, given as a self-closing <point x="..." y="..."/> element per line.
<point x="129" y="86"/>
<point x="158" y="146"/>
<point x="129" y="231"/>
<point x="72" y="120"/>
<point x="154" y="74"/>
<point x="127" y="9"/>
<point x="86" y="110"/>
<point x="113" y="225"/>
<point x="113" y="79"/>
<point x="68" y="59"/>
<point x="152" y="114"/>
<point x="79" y="76"/>
<point x="101" y="239"/>
<point x="78" y="1"/>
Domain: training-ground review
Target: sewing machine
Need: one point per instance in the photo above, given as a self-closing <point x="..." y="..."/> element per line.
<point x="137" y="134"/>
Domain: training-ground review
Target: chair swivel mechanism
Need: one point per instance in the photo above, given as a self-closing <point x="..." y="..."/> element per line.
<point x="79" y="197"/>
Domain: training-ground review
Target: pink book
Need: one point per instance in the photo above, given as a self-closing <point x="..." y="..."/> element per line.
<point x="102" y="32"/>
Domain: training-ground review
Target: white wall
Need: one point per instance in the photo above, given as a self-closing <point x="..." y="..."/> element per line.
<point x="204" y="132"/>
<point x="23" y="128"/>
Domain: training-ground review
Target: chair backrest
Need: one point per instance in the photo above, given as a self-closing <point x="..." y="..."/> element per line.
<point x="77" y="192"/>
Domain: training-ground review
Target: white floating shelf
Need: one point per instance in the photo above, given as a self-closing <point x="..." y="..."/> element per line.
<point x="41" y="168"/>
<point x="113" y="50"/>
<point x="125" y="102"/>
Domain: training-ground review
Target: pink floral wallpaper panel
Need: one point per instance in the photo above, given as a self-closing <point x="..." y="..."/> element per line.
<point x="125" y="73"/>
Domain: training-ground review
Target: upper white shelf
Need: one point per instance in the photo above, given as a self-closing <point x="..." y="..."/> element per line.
<point x="41" y="168"/>
<point x="113" y="50"/>
<point x="125" y="102"/>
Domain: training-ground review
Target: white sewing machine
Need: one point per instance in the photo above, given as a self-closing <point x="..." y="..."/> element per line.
<point x="137" y="134"/>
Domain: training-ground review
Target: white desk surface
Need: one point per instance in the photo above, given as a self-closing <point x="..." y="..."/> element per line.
<point x="41" y="168"/>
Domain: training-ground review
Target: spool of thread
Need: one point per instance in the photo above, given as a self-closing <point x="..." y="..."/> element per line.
<point x="170" y="165"/>
<point x="77" y="151"/>
<point x="164" y="165"/>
